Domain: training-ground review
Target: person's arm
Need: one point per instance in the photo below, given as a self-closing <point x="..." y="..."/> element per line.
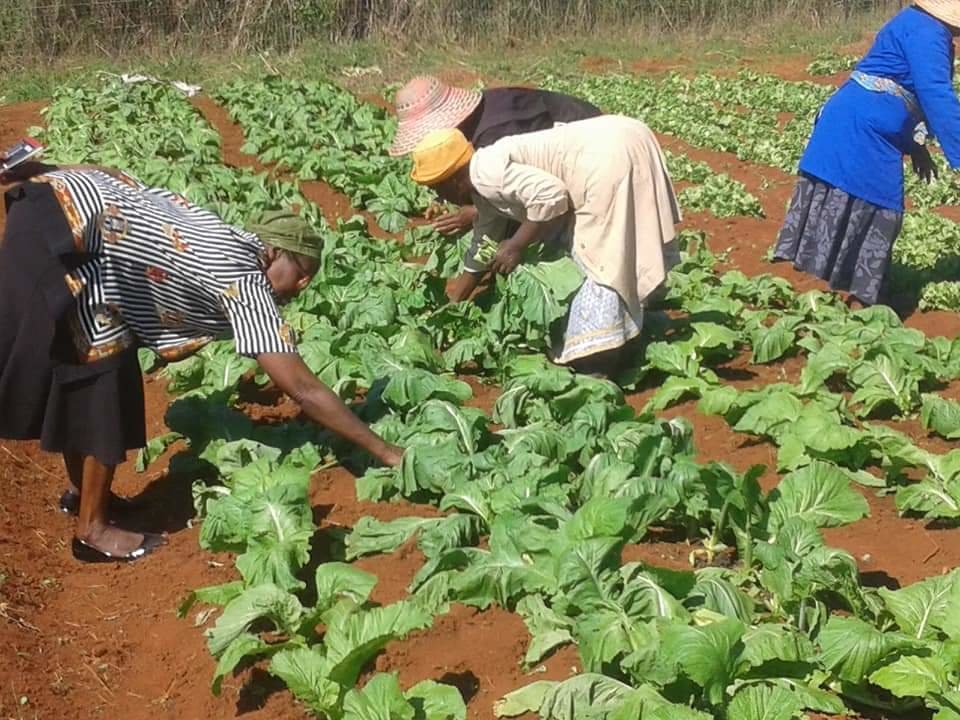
<point x="923" y="164"/>
<point x="463" y="286"/>
<point x="259" y="332"/>
<point x="545" y="201"/>
<point x="929" y="53"/>
<point x="323" y="406"/>
<point x="487" y="223"/>
<point x="25" y="171"/>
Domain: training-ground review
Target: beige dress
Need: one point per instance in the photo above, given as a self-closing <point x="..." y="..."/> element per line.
<point x="610" y="175"/>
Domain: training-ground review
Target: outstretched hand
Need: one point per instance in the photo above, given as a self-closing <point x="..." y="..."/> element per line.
<point x="391" y="456"/>
<point x="452" y="223"/>
<point x="923" y="165"/>
<point x="509" y="256"/>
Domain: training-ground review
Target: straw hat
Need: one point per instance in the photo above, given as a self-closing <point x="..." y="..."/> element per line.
<point x="947" y="11"/>
<point x="426" y="104"/>
<point x="439" y="155"/>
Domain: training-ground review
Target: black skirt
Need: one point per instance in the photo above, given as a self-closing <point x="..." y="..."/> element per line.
<point x="93" y="409"/>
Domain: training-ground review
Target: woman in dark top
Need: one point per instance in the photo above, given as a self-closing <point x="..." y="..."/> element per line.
<point x="425" y="104"/>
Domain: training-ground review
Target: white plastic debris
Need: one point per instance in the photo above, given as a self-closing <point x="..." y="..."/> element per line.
<point x="133" y="78"/>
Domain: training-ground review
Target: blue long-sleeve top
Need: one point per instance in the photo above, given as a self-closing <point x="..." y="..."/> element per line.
<point x="860" y="139"/>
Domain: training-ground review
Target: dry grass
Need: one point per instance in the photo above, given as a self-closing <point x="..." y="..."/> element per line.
<point x="44" y="43"/>
<point x="110" y="27"/>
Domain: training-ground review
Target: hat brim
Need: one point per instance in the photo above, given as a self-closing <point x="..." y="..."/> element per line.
<point x="947" y="11"/>
<point x="456" y="108"/>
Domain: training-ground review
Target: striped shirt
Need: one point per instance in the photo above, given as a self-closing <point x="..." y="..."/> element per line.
<point x="160" y="273"/>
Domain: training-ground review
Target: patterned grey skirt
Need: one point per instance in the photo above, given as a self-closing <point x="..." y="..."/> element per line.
<point x="839" y="238"/>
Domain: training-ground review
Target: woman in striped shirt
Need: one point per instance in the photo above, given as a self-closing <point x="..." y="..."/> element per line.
<point x="95" y="265"/>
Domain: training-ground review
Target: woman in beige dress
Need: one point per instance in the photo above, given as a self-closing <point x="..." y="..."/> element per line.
<point x="601" y="185"/>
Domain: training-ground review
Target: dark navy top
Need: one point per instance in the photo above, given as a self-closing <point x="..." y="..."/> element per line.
<point x="509" y="111"/>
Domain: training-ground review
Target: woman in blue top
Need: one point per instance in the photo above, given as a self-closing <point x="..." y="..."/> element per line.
<point x="847" y="209"/>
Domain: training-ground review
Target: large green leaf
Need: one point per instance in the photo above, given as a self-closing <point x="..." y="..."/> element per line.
<point x="503" y="574"/>
<point x="913" y="676"/>
<point x="548" y="628"/>
<point x="468" y="424"/>
<point x="436" y="701"/>
<point x="763" y="702"/>
<point x="355" y="636"/>
<point x="606" y="636"/>
<point x="337" y="581"/>
<point x="922" y="609"/>
<point x="409" y="388"/>
<point x="823" y="364"/>
<point x="646" y="598"/>
<point x="261" y="602"/>
<point x="543" y="287"/>
<point x="819" y="494"/>
<point x="708" y="655"/>
<point x="583" y="696"/>
<point x="932" y="497"/>
<point x="883" y="380"/>
<point x="305" y="671"/>
<point x="645" y="702"/>
<point x="772" y="343"/>
<point x="372" y="537"/>
<point x="716" y="592"/>
<point x="775" y="643"/>
<point x="527" y="699"/>
<point x="852" y="649"/>
<point x="770" y="414"/>
<point x="941" y="415"/>
<point x="673" y="359"/>
<point x="380" y="699"/>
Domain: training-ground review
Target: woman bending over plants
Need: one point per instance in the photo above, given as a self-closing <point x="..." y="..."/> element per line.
<point x="425" y="104"/>
<point x="599" y="186"/>
<point x="847" y="209"/>
<point x="95" y="265"/>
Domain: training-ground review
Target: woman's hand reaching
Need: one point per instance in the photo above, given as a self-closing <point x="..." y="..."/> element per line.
<point x="509" y="256"/>
<point x="923" y="164"/>
<point x="451" y="223"/>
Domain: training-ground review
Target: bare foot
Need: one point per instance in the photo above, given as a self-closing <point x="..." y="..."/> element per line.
<point x="111" y="539"/>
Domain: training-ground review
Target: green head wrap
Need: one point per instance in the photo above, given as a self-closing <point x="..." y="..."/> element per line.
<point x="288" y="231"/>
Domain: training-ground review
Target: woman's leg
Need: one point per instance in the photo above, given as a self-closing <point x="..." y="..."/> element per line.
<point x="73" y="461"/>
<point x="93" y="526"/>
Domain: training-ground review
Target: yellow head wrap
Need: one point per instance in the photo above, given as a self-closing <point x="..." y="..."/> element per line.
<point x="439" y="155"/>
